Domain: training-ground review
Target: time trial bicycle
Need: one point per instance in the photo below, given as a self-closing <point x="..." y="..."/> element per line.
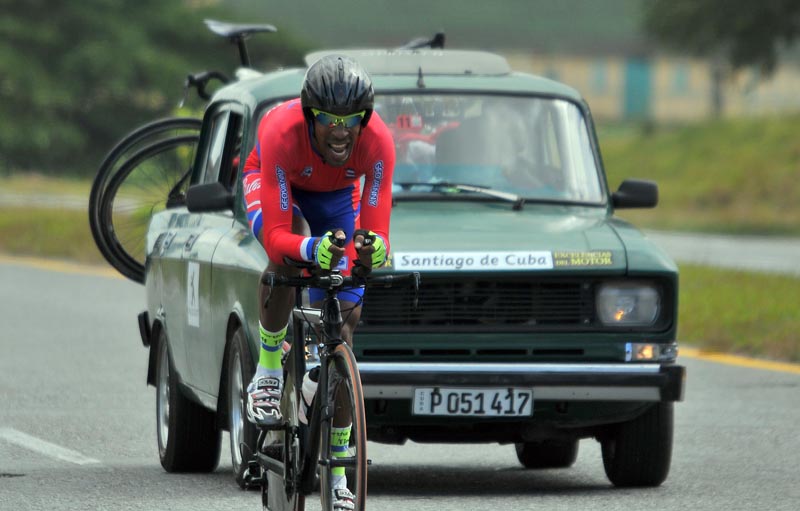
<point x="290" y="459"/>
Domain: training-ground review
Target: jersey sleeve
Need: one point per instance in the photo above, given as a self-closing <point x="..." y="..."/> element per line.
<point x="276" y="199"/>
<point x="376" y="198"/>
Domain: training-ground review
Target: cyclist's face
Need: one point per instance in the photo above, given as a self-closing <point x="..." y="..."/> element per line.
<point x="335" y="143"/>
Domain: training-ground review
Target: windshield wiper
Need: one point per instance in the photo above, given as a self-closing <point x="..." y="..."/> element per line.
<point x="443" y="186"/>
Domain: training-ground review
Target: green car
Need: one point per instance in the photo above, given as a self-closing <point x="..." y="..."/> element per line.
<point x="542" y="318"/>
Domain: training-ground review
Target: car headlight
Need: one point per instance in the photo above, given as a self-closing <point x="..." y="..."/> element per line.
<point x="628" y="303"/>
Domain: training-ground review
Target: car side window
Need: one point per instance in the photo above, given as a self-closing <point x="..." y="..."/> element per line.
<point x="216" y="144"/>
<point x="222" y="156"/>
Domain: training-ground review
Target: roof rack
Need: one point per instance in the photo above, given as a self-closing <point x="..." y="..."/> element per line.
<point x="429" y="62"/>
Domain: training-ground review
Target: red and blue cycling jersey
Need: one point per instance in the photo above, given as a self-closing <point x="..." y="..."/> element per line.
<point x="284" y="175"/>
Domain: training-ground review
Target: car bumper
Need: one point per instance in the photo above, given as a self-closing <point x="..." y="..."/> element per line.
<point x="550" y="382"/>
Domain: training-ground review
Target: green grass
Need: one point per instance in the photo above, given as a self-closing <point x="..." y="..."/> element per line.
<point x="29" y="183"/>
<point x="53" y="233"/>
<point x="732" y="176"/>
<point x="740" y="312"/>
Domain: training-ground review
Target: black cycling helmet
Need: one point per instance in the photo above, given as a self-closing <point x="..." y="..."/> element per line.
<point x="338" y="85"/>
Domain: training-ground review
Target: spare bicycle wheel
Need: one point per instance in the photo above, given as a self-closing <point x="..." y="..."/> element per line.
<point x="118" y="162"/>
<point x="154" y="178"/>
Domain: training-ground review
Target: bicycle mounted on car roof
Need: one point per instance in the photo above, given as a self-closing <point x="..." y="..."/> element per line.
<point x="149" y="168"/>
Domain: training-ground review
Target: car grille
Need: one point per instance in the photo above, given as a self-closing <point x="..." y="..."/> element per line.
<point x="481" y="305"/>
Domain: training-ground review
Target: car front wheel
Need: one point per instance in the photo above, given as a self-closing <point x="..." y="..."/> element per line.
<point x="638" y="453"/>
<point x="188" y="438"/>
<point x="243" y="434"/>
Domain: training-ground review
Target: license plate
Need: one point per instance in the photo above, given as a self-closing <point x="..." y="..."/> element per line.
<point x="497" y="402"/>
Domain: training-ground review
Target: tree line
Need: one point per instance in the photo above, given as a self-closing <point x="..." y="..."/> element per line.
<point x="76" y="76"/>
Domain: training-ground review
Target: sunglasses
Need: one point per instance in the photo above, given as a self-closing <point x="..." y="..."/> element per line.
<point x="331" y="121"/>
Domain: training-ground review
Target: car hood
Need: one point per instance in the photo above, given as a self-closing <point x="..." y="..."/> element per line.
<point x="487" y="236"/>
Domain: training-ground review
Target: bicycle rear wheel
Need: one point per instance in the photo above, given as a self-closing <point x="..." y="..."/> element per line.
<point x="116" y="160"/>
<point x="344" y="390"/>
<point x="154" y="178"/>
<point x="284" y="492"/>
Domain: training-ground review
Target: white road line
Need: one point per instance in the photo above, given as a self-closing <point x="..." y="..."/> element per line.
<point x="44" y="447"/>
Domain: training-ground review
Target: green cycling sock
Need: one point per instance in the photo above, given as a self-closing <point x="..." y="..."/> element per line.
<point x="269" y="356"/>
<point x="340" y="439"/>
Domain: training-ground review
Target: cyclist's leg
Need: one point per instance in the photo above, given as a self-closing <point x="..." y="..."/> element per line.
<point x="276" y="304"/>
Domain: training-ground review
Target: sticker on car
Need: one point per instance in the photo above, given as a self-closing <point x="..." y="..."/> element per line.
<point x="448" y="261"/>
<point x="193" y="294"/>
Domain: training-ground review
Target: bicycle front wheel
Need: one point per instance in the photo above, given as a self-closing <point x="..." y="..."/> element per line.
<point x="346" y="398"/>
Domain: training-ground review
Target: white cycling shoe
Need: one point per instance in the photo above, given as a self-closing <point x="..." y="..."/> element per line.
<point x="263" y="401"/>
<point x="343" y="500"/>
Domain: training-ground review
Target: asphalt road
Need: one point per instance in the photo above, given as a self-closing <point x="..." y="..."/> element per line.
<point x="759" y="253"/>
<point x="77" y="428"/>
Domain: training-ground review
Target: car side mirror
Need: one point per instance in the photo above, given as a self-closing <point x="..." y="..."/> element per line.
<point x="635" y="193"/>
<point x="208" y="197"/>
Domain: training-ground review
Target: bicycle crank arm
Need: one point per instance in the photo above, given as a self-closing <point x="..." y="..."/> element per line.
<point x="270" y="464"/>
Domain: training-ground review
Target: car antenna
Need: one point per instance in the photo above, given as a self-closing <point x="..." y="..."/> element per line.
<point x="420" y="81"/>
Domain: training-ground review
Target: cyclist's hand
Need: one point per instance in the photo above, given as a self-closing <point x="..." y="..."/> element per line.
<point x="329" y="249"/>
<point x="370" y="248"/>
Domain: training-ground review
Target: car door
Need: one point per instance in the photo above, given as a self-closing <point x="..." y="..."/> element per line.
<point x="205" y="322"/>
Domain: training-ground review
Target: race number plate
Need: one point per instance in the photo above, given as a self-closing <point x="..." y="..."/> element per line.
<point x="496" y="402"/>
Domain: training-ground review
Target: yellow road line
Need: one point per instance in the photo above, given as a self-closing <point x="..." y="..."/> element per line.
<point x="736" y="360"/>
<point x="60" y="266"/>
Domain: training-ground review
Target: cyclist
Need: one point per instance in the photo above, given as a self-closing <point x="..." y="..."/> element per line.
<point x="302" y="185"/>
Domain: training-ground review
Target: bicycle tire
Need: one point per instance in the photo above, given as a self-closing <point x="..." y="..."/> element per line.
<point x="284" y="493"/>
<point x="122" y="151"/>
<point x="344" y="381"/>
<point x="123" y="218"/>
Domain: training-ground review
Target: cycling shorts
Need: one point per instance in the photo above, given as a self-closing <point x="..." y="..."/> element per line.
<point x="325" y="211"/>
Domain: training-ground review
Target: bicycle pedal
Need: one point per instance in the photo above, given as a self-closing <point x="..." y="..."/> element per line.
<point x="273" y="427"/>
<point x="254" y="476"/>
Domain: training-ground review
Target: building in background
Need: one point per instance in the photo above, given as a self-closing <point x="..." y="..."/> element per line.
<point x="664" y="89"/>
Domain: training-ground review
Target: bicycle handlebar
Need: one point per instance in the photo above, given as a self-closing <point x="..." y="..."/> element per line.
<point x="200" y="81"/>
<point x="335" y="281"/>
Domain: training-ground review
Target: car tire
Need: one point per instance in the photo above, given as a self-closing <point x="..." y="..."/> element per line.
<point x="547" y="453"/>
<point x="638" y="453"/>
<point x="187" y="434"/>
<point x="243" y="434"/>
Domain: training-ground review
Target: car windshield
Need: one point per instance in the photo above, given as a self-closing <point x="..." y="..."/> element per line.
<point x="536" y="148"/>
